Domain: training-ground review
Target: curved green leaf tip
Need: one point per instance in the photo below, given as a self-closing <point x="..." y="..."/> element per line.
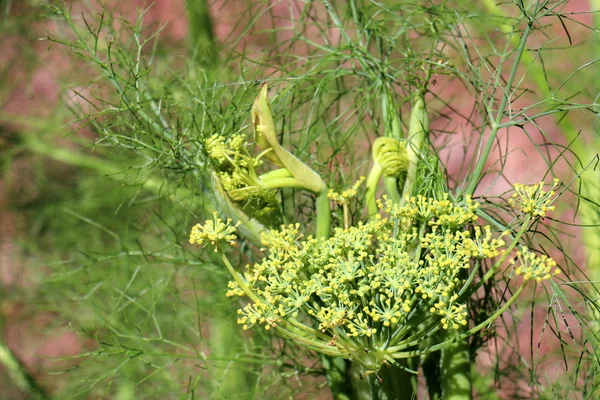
<point x="266" y="139"/>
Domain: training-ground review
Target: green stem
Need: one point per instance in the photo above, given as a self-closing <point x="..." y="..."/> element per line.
<point x="418" y="129"/>
<point x="346" y="210"/>
<point x="389" y="384"/>
<point x="239" y="280"/>
<point x="280" y="183"/>
<point x="448" y="343"/>
<point x="275" y="174"/>
<point x="370" y="195"/>
<point x="393" y="128"/>
<point x="391" y="188"/>
<point x="477" y="172"/>
<point x="456" y="371"/>
<point x="320" y="347"/>
<point x="323" y="214"/>
<point x="18" y="373"/>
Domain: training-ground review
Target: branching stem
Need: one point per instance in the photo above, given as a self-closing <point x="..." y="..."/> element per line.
<point x="477" y="172"/>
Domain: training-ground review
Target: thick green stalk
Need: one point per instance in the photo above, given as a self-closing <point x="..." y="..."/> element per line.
<point x="201" y="35"/>
<point x="323" y="214"/>
<point x="393" y="128"/>
<point x="370" y="195"/>
<point x="391" y="188"/>
<point x="417" y="133"/>
<point x="391" y="383"/>
<point x="18" y="373"/>
<point x="275" y="174"/>
<point x="455" y="366"/>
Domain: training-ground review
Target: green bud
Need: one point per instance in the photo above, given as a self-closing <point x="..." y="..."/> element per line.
<point x="391" y="154"/>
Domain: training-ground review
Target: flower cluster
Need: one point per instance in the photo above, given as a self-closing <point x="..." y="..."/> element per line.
<point x="533" y="199"/>
<point x="213" y="231"/>
<point x="235" y="169"/>
<point x="534" y="266"/>
<point x="346" y="195"/>
<point x="371" y="290"/>
<point x="378" y="281"/>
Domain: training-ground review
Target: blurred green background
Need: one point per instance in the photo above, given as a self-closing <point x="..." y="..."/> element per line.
<point x="102" y="177"/>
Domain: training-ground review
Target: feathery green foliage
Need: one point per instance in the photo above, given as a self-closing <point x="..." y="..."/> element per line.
<point x="160" y="138"/>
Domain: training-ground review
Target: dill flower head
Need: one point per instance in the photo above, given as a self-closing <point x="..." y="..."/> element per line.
<point x="533" y="199"/>
<point x="235" y="169"/>
<point x="227" y="153"/>
<point x="376" y="286"/>
<point x="344" y="197"/>
<point x="214" y="231"/>
<point x="534" y="266"/>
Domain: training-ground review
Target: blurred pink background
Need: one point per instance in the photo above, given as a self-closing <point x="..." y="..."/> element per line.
<point x="35" y="91"/>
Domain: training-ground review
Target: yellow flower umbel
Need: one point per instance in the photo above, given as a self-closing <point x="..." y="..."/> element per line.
<point x="348" y="194"/>
<point x="213" y="231"/>
<point x="377" y="288"/>
<point x="373" y="292"/>
<point x="533" y="266"/>
<point x="343" y="199"/>
<point x="533" y="199"/>
<point x="235" y="169"/>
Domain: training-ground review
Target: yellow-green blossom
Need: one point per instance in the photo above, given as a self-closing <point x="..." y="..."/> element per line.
<point x="533" y="199"/>
<point x="371" y="290"/>
<point x="214" y="231"/>
<point x="235" y="169"/>
<point x="534" y="266"/>
<point x="376" y="281"/>
<point x="344" y="197"/>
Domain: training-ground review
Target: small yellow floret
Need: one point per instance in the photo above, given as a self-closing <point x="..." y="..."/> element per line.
<point x="534" y="266"/>
<point x="344" y="197"/>
<point x="214" y="231"/>
<point x="533" y="199"/>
